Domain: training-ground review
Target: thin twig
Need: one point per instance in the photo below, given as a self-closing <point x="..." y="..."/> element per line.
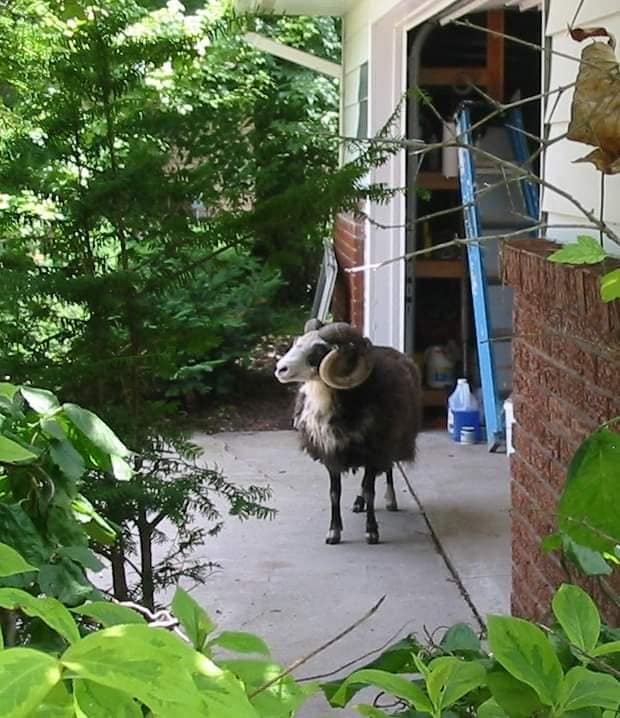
<point x="462" y="241"/>
<point x="320" y="649"/>
<point x="355" y="660"/>
<point x="602" y="209"/>
<point x="525" y="43"/>
<point x="577" y="11"/>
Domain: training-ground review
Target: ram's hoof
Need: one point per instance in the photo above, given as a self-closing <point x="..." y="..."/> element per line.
<point x="391" y="506"/>
<point x="333" y="537"/>
<point x="372" y="537"/>
<point x="359" y="505"/>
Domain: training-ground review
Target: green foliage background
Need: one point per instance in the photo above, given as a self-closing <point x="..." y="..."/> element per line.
<point x="161" y="181"/>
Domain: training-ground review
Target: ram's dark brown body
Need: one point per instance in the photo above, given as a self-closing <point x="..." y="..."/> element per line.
<point x="374" y="424"/>
<point x="358" y="406"/>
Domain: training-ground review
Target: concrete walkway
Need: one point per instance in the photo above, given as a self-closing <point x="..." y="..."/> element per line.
<point x="279" y="579"/>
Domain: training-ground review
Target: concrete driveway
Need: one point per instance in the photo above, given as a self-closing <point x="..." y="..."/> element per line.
<point x="444" y="557"/>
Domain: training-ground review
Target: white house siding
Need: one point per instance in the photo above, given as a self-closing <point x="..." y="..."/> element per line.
<point x="581" y="180"/>
<point x="375" y="33"/>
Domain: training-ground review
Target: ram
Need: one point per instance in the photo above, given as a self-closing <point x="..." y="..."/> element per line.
<point x="358" y="406"/>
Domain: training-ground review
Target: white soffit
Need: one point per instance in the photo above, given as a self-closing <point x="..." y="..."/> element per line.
<point x="292" y="54"/>
<point x="468" y="6"/>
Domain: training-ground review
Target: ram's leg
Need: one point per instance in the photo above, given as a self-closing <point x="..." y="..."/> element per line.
<point x="368" y="484"/>
<point x="390" y="496"/>
<point x="359" y="505"/>
<point x="335" y="525"/>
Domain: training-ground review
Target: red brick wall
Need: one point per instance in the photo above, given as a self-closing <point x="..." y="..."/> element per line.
<point x="348" y="302"/>
<point x="566" y="368"/>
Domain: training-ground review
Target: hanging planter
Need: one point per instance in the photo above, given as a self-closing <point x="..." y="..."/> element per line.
<point x="595" y="111"/>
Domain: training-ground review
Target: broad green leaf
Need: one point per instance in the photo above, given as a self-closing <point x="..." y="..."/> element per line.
<point x="41" y="400"/>
<point x="58" y="703"/>
<point x="398" y="658"/>
<point x="109" y="614"/>
<point x="17" y="528"/>
<point x="578" y="615"/>
<point x="121" y="469"/>
<point x="7" y="390"/>
<point x="606" y="649"/>
<point x="48" y="609"/>
<point x="82" y="555"/>
<point x="241" y="642"/>
<point x="193" y="618"/>
<point x="281" y="699"/>
<point x="26" y="676"/>
<point x="160" y="670"/>
<point x="582" y="688"/>
<point x="13" y="453"/>
<point x="52" y="428"/>
<point x="95" y="430"/>
<point x="591" y="562"/>
<point x="491" y="709"/>
<point x="460" y="637"/>
<point x="92" y="700"/>
<point x="517" y="699"/>
<point x="66" y="581"/>
<point x="395" y="685"/>
<point x="12" y="562"/>
<point x="586" y="250"/>
<point x="67" y="459"/>
<point x="524" y="651"/>
<point x="610" y="286"/>
<point x="451" y="678"/>
<point x="588" y="508"/>
<point x="95" y="525"/>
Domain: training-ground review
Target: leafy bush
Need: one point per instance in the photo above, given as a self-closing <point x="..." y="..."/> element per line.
<point x="127" y="666"/>
<point x="47" y="449"/>
<point x="588" y="519"/>
<point x="50" y="453"/>
<point x="218" y="316"/>
<point x="528" y="671"/>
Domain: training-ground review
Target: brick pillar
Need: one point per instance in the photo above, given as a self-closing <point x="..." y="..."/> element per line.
<point x="566" y="369"/>
<point x="348" y="302"/>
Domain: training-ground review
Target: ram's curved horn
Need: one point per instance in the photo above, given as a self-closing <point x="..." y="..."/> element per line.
<point x="349" y="364"/>
<point x="312" y="325"/>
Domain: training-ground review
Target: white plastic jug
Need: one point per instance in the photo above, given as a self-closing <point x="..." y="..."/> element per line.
<point x="439" y="368"/>
<point x="461" y="399"/>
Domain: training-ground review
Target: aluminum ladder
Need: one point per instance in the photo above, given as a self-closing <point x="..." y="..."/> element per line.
<point x="495" y="202"/>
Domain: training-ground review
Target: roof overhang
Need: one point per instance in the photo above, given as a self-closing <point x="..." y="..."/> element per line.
<point x="292" y="54"/>
<point x="339" y="7"/>
<point x="464" y="7"/>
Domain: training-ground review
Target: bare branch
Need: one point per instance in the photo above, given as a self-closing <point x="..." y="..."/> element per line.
<point x="320" y="649"/>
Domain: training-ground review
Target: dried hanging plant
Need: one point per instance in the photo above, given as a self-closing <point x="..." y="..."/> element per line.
<point x="595" y="112"/>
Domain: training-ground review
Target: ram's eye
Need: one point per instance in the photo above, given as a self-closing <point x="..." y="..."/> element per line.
<point x="316" y="354"/>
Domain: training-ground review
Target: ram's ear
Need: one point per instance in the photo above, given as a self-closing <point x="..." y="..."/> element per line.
<point x="312" y="325"/>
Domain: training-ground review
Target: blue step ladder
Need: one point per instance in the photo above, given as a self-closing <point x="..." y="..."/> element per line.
<point x="495" y="202"/>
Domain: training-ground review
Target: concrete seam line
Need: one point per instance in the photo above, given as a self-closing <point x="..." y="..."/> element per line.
<point x="440" y="549"/>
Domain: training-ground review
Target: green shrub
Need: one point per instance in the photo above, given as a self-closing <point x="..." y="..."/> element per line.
<point x="218" y="317"/>
<point x="125" y="666"/>
<point x="47" y="450"/>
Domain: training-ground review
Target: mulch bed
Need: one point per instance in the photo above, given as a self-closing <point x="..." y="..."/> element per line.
<point x="258" y="403"/>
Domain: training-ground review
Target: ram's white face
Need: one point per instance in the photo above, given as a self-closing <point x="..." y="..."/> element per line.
<point x="301" y="362"/>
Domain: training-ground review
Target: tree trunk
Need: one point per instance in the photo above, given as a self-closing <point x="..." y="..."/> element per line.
<point x="8" y="623"/>
<point x="145" y="530"/>
<point x="119" y="578"/>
